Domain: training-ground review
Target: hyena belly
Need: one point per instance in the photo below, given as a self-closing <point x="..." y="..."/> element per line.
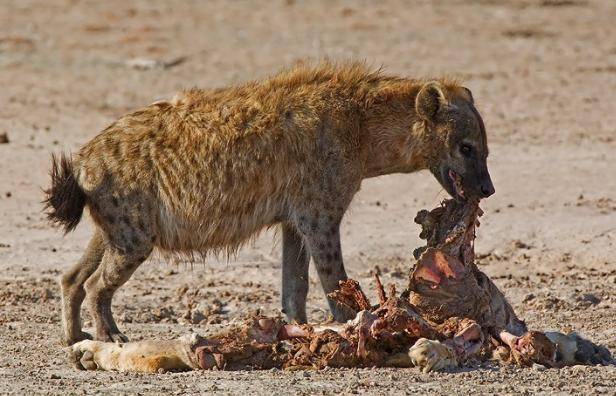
<point x="222" y="202"/>
<point x="220" y="223"/>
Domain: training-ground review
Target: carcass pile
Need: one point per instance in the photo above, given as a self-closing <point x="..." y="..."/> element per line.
<point x="450" y="313"/>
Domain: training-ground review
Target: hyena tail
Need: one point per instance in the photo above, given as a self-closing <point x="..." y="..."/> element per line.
<point x="65" y="199"/>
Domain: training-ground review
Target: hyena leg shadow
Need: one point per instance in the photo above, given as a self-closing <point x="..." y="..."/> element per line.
<point x="73" y="292"/>
<point x="122" y="256"/>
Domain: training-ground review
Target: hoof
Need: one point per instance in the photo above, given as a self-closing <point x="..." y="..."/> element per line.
<point x="81" y="356"/>
<point x="430" y="355"/>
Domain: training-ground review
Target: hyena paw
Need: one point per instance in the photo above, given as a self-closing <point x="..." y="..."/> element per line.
<point x="119" y="338"/>
<point x="115" y="337"/>
<point x="81" y="355"/>
<point x="70" y="340"/>
<point x="431" y="355"/>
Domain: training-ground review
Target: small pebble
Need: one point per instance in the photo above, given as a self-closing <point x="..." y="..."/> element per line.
<point x="591" y="298"/>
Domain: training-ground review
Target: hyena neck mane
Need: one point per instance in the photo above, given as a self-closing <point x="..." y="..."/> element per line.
<point x="395" y="139"/>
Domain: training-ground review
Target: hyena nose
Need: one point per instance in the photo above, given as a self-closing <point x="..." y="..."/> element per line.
<point x="487" y="189"/>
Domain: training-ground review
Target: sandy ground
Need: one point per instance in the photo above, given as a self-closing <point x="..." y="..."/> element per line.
<point x="543" y="74"/>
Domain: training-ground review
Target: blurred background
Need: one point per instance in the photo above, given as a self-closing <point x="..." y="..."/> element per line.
<point x="543" y="74"/>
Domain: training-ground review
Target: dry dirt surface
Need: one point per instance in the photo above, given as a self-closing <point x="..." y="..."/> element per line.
<point x="543" y="74"/>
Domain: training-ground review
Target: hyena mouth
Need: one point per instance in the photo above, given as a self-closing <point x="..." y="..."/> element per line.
<point x="456" y="180"/>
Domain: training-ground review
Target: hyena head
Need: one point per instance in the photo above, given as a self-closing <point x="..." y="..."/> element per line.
<point x="459" y="154"/>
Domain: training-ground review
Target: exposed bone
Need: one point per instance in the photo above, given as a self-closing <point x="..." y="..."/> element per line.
<point x="351" y="295"/>
<point x="446" y="282"/>
<point x="432" y="355"/>
<point x="380" y="291"/>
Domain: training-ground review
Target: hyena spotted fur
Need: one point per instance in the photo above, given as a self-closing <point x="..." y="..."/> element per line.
<point x="211" y="168"/>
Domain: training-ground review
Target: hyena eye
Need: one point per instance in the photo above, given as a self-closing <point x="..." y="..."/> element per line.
<point x="466" y="149"/>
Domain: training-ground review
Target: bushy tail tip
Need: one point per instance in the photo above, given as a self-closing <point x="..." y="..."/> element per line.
<point x="65" y="199"/>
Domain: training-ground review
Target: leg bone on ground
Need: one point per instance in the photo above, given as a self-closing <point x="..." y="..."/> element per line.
<point x="143" y="356"/>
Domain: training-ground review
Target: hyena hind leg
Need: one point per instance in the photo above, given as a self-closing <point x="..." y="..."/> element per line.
<point x="116" y="268"/>
<point x="73" y="292"/>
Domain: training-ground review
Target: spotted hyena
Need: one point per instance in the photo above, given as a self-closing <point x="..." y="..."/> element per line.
<point x="209" y="169"/>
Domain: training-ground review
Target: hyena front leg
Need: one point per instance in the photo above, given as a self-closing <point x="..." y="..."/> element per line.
<point x="73" y="292"/>
<point x="321" y="230"/>
<point x="295" y="260"/>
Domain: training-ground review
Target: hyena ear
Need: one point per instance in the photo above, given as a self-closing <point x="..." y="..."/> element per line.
<point x="429" y="100"/>
<point x="468" y="94"/>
